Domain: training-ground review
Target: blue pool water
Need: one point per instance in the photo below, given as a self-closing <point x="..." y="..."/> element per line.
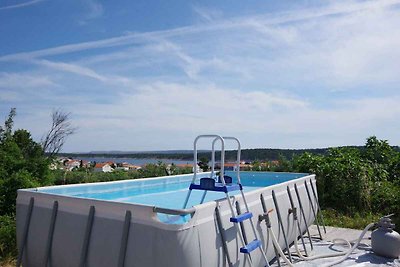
<point x="167" y="192"/>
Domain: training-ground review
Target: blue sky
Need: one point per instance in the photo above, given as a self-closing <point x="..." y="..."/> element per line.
<point x="150" y="75"/>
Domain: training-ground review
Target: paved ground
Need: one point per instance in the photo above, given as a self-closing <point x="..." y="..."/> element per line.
<point x="363" y="256"/>
<point x="344" y="233"/>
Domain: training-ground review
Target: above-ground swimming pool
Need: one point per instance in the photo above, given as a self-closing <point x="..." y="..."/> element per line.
<point x="142" y="222"/>
<point x="164" y="193"/>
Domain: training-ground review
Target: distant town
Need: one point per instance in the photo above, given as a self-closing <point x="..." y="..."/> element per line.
<point x="73" y="164"/>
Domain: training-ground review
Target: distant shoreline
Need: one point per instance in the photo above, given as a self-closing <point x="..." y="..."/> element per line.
<point x="135" y="161"/>
<point x="186" y="155"/>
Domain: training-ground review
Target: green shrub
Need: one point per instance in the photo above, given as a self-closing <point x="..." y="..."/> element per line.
<point x="10" y="185"/>
<point x="342" y="175"/>
<point x="8" y="246"/>
<point x="386" y="199"/>
<point x="354" y="181"/>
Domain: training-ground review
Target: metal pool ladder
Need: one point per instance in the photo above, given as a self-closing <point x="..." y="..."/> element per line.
<point x="225" y="184"/>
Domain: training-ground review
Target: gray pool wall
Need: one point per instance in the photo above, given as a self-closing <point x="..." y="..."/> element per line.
<point x="150" y="242"/>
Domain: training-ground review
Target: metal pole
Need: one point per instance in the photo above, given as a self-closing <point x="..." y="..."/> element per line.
<point x="213" y="158"/>
<point x="265" y="210"/>
<point x="222" y="234"/>
<point x="318" y="206"/>
<point x="238" y="156"/>
<point x="281" y="224"/>
<point x="26" y="231"/>
<point x="212" y="168"/>
<point x="312" y="209"/>
<point x="124" y="239"/>
<point x="86" y="240"/>
<point x="298" y="223"/>
<point x="304" y="216"/>
<point x="51" y="233"/>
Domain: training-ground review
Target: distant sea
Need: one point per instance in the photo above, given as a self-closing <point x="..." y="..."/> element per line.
<point x="134" y="161"/>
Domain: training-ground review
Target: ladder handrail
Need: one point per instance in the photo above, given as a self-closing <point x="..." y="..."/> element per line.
<point x="216" y="136"/>
<point x="213" y="157"/>
<point x="239" y="150"/>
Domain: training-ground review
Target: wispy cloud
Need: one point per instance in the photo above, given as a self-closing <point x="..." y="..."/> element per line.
<point x="304" y="78"/>
<point x="181" y="112"/>
<point x="207" y="14"/>
<point x="21" y="80"/>
<point x="21" y="5"/>
<point x="242" y="22"/>
<point x="84" y="71"/>
<point x="94" y="10"/>
<point x="73" y="68"/>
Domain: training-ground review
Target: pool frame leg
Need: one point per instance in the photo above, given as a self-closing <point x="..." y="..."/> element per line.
<point x="86" y="240"/>
<point x="222" y="234"/>
<point x="124" y="239"/>
<point x="51" y="234"/>
<point x="265" y="210"/>
<point x="303" y="215"/>
<point x="26" y="231"/>
<point x="318" y="206"/>
<point x="298" y="223"/>
<point x="313" y="209"/>
<point x="278" y="213"/>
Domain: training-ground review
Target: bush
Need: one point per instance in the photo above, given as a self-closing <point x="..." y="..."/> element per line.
<point x="341" y="176"/>
<point x="9" y="187"/>
<point x="354" y="181"/>
<point x="8" y="246"/>
<point x="386" y="199"/>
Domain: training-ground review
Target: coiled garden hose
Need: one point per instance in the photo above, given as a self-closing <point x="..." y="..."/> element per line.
<point x="345" y="254"/>
<point x="369" y="226"/>
<point x="308" y="258"/>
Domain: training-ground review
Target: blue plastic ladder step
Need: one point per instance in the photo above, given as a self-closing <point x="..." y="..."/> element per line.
<point x="251" y="246"/>
<point x="241" y="217"/>
<point x="217" y="187"/>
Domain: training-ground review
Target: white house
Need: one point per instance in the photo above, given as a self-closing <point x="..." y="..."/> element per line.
<point x="103" y="167"/>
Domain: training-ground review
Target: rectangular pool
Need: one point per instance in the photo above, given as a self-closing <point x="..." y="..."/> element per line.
<point x="162" y="192"/>
<point x="133" y="222"/>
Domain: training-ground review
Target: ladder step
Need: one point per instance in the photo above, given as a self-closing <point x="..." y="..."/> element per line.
<point x="241" y="217"/>
<point x="217" y="187"/>
<point x="251" y="246"/>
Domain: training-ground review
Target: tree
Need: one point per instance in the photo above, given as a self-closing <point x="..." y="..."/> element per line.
<point x="378" y="151"/>
<point x="8" y="125"/>
<point x="22" y="164"/>
<point x="60" y="129"/>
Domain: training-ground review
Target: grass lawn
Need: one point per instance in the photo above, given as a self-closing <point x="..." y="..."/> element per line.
<point x="355" y="220"/>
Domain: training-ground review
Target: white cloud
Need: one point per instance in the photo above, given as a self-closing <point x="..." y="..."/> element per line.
<point x="73" y="68"/>
<point x="300" y="78"/>
<point x="94" y="10"/>
<point x="175" y="113"/>
<point x="21" y="80"/>
<point x="21" y="5"/>
<point x="207" y="14"/>
<point x="344" y="7"/>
